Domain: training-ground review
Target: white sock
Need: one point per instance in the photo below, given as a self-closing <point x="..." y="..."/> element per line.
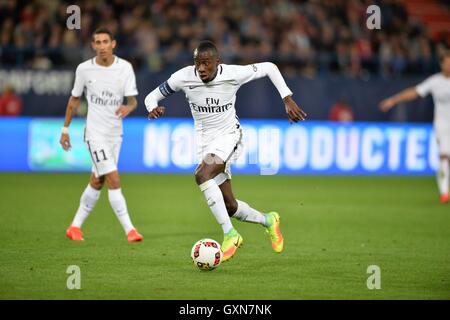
<point x="119" y="205"/>
<point x="246" y="213"/>
<point x="215" y="201"/>
<point x="87" y="203"/>
<point x="443" y="176"/>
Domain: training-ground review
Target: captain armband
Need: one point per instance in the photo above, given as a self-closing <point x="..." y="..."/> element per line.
<point x="165" y="89"/>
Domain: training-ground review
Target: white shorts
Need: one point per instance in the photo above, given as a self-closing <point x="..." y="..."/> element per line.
<point x="104" y="155"/>
<point x="228" y="147"/>
<point x="443" y="139"/>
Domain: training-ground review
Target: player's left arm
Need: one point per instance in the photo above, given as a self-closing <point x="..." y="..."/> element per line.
<point x="130" y="92"/>
<point x="269" y="69"/>
<point x="125" y="110"/>
<point x="165" y="89"/>
<point x="294" y="113"/>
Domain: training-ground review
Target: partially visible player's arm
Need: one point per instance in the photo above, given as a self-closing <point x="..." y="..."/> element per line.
<point x="293" y="111"/>
<point x="151" y="103"/>
<point x="269" y="69"/>
<point x="412" y="93"/>
<point x="130" y="91"/>
<point x="165" y="89"/>
<point x="403" y="96"/>
<point x="72" y="106"/>
<point x="126" y="109"/>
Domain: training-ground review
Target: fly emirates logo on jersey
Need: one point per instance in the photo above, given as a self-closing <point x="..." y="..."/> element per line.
<point x="212" y="106"/>
<point x="106" y="98"/>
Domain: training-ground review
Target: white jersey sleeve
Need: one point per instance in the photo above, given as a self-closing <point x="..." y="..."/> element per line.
<point x="175" y="81"/>
<point x="424" y="88"/>
<point x="79" y="83"/>
<point x="130" y="83"/>
<point x="165" y="89"/>
<point x="255" y="71"/>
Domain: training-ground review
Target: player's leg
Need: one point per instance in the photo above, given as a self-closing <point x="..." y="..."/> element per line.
<point x="119" y="206"/>
<point x="238" y="209"/>
<point x="242" y="211"/>
<point x="88" y="200"/>
<point x="105" y="155"/>
<point x="443" y="178"/>
<point x="443" y="173"/>
<point x="210" y="167"/>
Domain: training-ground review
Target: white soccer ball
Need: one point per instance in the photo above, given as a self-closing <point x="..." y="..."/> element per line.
<point x="206" y="254"/>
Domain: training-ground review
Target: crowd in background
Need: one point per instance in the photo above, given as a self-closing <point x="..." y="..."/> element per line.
<point x="307" y="37"/>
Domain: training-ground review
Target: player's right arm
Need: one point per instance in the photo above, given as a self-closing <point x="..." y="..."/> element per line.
<point x="165" y="89"/>
<point x="72" y="106"/>
<point x="151" y="103"/>
<point x="409" y="94"/>
<point x="403" y="96"/>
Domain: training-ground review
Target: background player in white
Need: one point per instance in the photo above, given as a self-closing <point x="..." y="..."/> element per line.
<point x="439" y="87"/>
<point x="210" y="88"/>
<point x="106" y="79"/>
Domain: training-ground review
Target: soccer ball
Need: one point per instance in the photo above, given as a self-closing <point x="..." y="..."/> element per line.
<point x="206" y="254"/>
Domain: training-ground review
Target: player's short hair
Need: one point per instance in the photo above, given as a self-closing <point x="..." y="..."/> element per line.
<point x="103" y="30"/>
<point x="204" y="46"/>
<point x="445" y="54"/>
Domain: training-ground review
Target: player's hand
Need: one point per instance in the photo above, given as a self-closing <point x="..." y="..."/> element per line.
<point x="65" y="141"/>
<point x="295" y="114"/>
<point x="123" y="111"/>
<point x="386" y="104"/>
<point x="156" y="113"/>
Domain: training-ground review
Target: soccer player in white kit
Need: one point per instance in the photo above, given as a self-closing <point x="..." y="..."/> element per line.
<point x="439" y="87"/>
<point x="210" y="89"/>
<point x="105" y="79"/>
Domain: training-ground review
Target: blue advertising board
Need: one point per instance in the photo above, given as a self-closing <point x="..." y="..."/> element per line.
<point x="270" y="147"/>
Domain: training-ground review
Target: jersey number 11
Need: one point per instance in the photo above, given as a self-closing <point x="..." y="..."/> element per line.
<point x="96" y="155"/>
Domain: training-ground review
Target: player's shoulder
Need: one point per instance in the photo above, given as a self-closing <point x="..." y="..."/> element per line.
<point x="184" y="76"/>
<point x="123" y="62"/>
<point x="237" y="68"/>
<point x="87" y="64"/>
<point x="118" y="62"/>
<point x="436" y="78"/>
<point x="229" y="69"/>
<point x="185" y="72"/>
<point x="234" y="72"/>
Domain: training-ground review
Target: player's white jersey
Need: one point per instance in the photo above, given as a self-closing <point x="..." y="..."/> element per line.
<point x="105" y="89"/>
<point x="212" y="104"/>
<point x="439" y="87"/>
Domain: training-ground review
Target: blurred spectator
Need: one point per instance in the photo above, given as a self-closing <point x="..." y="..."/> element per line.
<point x="305" y="37"/>
<point x="341" y="111"/>
<point x="10" y="103"/>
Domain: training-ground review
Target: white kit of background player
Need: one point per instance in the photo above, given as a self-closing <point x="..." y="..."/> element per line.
<point x="105" y="80"/>
<point x="438" y="85"/>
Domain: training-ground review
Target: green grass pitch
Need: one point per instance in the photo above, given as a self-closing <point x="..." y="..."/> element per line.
<point x="334" y="228"/>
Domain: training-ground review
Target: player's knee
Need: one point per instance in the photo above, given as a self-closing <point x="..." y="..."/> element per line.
<point x="113" y="181"/>
<point x="202" y="176"/>
<point x="97" y="183"/>
<point x="113" y="184"/>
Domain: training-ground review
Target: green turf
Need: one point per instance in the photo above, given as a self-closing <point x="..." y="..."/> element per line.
<point x="334" y="228"/>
